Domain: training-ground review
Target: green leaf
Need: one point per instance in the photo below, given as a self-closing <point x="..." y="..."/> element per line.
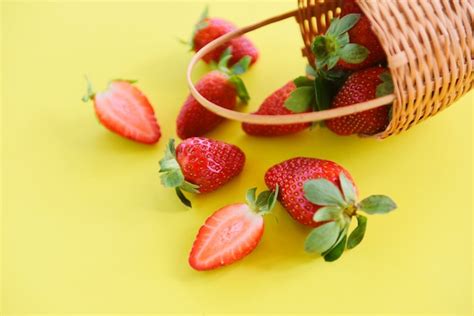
<point x="239" y="85"/>
<point x="323" y="192"/>
<point x="130" y="81"/>
<point x="250" y="197"/>
<point x="337" y="251"/>
<point x="189" y="187"/>
<point x="327" y="213"/>
<point x="322" y="238"/>
<point x="310" y="71"/>
<point x="386" y="87"/>
<point x="358" y="233"/>
<point x="332" y="61"/>
<point x="340" y="26"/>
<point x="353" y="53"/>
<point x="266" y="201"/>
<point x="377" y="204"/>
<point x="224" y="60"/>
<point x="321" y="90"/>
<point x="343" y="39"/>
<point x="90" y="91"/>
<point x="183" y="198"/>
<point x="303" y="81"/>
<point x="241" y="66"/>
<point x="300" y="99"/>
<point x="347" y="188"/>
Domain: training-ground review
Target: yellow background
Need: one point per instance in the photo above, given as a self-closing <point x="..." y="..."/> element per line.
<point x="87" y="226"/>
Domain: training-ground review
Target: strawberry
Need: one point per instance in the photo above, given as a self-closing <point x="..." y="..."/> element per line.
<point x="221" y="87"/>
<point x="275" y="105"/>
<point x="125" y="110"/>
<point x="232" y="232"/>
<point x="361" y="33"/>
<point x="199" y="165"/>
<point x="322" y="194"/>
<point x="208" y="29"/>
<point x="348" y="42"/>
<point x="363" y="85"/>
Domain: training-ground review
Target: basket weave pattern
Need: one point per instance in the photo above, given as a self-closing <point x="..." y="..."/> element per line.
<point x="429" y="47"/>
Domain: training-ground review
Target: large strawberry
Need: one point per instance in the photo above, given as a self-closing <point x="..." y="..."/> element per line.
<point x="349" y="42"/>
<point x="361" y="86"/>
<point x="275" y="105"/>
<point x="322" y="194"/>
<point x="232" y="232"/>
<point x="222" y="87"/>
<point x="208" y="29"/>
<point x="125" y="110"/>
<point x="199" y="165"/>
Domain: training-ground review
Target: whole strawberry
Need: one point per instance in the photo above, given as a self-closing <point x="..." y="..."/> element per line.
<point x="221" y="87"/>
<point x="232" y="232"/>
<point x="275" y="105"/>
<point x="199" y="165"/>
<point x="361" y="86"/>
<point x="208" y="29"/>
<point x="349" y="42"/>
<point x="322" y="194"/>
<point x="125" y="110"/>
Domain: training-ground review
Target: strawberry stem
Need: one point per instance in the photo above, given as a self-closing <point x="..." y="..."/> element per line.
<point x="90" y="94"/>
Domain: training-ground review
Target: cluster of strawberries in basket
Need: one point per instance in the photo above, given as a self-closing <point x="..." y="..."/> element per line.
<point x="349" y="68"/>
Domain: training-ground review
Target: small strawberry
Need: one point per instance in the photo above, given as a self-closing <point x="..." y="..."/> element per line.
<point x="208" y="29"/>
<point x="361" y="86"/>
<point x="125" y="110"/>
<point x="322" y="194"/>
<point x="199" y="165"/>
<point x="275" y="105"/>
<point x="232" y="232"/>
<point x="349" y="43"/>
<point x="221" y="87"/>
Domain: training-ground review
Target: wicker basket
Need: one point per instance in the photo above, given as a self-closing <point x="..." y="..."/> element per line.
<point x="429" y="46"/>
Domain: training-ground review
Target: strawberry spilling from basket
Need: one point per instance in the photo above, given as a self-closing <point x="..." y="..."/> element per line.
<point x="348" y="86"/>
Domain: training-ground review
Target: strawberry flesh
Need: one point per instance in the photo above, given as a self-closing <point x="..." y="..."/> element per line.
<point x="125" y="110"/>
<point x="228" y="235"/>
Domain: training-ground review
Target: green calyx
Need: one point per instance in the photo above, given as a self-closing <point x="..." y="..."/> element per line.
<point x="200" y="24"/>
<point x="316" y="90"/>
<point x="338" y="208"/>
<point x="90" y="94"/>
<point x="335" y="44"/>
<point x="386" y="87"/>
<point x="233" y="73"/>
<point x="264" y="202"/>
<point x="172" y="176"/>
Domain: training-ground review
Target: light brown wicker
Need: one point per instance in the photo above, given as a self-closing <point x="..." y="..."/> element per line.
<point x="429" y="46"/>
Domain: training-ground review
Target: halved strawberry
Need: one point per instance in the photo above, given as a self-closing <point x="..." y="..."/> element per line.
<point x="232" y="232"/>
<point x="126" y="111"/>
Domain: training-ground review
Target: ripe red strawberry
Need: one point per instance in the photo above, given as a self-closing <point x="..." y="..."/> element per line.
<point x="361" y="33"/>
<point x="200" y="165"/>
<point x="275" y="105"/>
<point x="290" y="176"/>
<point x="208" y="29"/>
<point x="363" y="85"/>
<point x="322" y="194"/>
<point x="126" y="111"/>
<point x="349" y="42"/>
<point x="232" y="232"/>
<point x="221" y="87"/>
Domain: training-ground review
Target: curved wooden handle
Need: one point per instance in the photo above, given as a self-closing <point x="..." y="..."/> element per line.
<point x="271" y="119"/>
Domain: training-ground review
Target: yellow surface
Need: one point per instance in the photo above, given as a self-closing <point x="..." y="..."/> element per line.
<point x="88" y="228"/>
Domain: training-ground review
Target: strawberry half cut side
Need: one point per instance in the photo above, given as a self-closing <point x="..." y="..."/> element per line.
<point x="232" y="232"/>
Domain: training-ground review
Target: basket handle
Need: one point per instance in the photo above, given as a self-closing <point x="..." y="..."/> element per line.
<point x="271" y="119"/>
